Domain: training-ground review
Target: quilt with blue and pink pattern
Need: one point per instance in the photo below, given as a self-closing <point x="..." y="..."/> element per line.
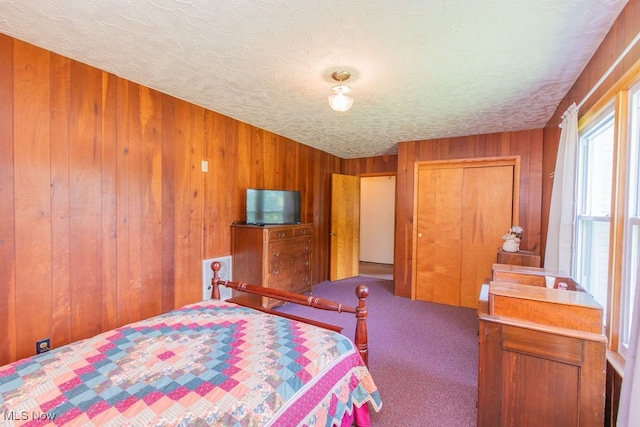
<point x="210" y="363"/>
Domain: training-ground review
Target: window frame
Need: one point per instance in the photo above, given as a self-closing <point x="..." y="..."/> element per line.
<point x="618" y="96"/>
<point x="631" y="211"/>
<point x="605" y="118"/>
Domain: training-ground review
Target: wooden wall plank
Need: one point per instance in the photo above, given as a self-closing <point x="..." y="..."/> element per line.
<point x="85" y="201"/>
<point x="188" y="218"/>
<point x="32" y="163"/>
<point x="133" y="290"/>
<point x="7" y="208"/>
<point x="109" y="199"/>
<point x="60" y="209"/>
<point x="212" y="181"/>
<point x="220" y="208"/>
<point x="168" y="227"/>
<point x="521" y="145"/>
<point x="404" y="219"/>
<point x="183" y="202"/>
<point x="124" y="307"/>
<point x="151" y="200"/>
<point x="270" y="162"/>
<point x="194" y="282"/>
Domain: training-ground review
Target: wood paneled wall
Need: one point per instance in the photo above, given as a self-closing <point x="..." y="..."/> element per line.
<point x="105" y="214"/>
<point x="371" y="165"/>
<point x="526" y="144"/>
<point x="622" y="32"/>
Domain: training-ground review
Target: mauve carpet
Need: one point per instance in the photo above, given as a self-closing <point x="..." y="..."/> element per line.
<point x="423" y="356"/>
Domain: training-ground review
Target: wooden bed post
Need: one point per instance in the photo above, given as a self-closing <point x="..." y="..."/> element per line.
<point x="361" y="338"/>
<point x="215" y="286"/>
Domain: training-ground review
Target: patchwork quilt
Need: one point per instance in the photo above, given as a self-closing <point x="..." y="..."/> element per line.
<point x="210" y="363"/>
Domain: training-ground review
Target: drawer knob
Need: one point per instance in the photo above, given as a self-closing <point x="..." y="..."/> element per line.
<point x="281" y="234"/>
<point x="275" y="272"/>
<point x="276" y="254"/>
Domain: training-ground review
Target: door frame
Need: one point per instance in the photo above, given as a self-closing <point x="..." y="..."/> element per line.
<point x="366" y="175"/>
<point x="460" y="163"/>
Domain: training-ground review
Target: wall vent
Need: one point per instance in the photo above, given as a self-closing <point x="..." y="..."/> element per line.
<point x="224" y="273"/>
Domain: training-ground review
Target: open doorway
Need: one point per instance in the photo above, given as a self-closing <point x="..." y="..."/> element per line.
<point x="377" y="222"/>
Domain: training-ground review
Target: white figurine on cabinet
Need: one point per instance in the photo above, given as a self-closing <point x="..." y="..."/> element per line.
<point x="512" y="239"/>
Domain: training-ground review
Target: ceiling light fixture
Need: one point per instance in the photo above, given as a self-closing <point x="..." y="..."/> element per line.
<point x="338" y="100"/>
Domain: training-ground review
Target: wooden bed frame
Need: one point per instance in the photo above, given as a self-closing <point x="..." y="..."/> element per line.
<point x="361" y="311"/>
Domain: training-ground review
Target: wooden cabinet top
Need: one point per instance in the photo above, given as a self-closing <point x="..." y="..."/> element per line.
<point x="554" y="307"/>
<point x="272" y="226"/>
<point x="528" y="258"/>
<point x="275" y="232"/>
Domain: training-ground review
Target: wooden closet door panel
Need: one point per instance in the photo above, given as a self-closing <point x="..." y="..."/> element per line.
<point x="439" y="215"/>
<point x="487" y="207"/>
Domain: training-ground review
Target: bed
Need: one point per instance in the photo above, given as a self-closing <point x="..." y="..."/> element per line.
<point x="208" y="363"/>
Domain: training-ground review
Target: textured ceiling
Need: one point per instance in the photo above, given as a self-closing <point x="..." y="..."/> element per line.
<point x="421" y="69"/>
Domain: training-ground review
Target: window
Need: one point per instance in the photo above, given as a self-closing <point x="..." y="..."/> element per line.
<point x="632" y="221"/>
<point x="595" y="171"/>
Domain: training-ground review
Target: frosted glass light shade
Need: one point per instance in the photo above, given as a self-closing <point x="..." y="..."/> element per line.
<point x="340" y="102"/>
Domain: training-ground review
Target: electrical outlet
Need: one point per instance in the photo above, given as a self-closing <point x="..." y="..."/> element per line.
<point x="43" y="346"/>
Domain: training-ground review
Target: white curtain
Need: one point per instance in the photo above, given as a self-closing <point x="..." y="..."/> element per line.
<point x="628" y="414"/>
<point x="558" y="251"/>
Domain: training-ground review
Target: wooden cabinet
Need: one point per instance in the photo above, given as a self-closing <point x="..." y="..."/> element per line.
<point x="542" y="356"/>
<point x="273" y="256"/>
<point x="528" y="258"/>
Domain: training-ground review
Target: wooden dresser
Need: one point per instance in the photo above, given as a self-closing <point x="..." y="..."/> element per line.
<point x="528" y="258"/>
<point x="542" y="352"/>
<point x="273" y="256"/>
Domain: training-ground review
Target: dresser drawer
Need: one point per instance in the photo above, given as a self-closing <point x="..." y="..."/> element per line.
<point x="281" y="249"/>
<point x="282" y="233"/>
<point x="298" y="283"/>
<point x="299" y="264"/>
<point x="276" y="234"/>
<point x="302" y="231"/>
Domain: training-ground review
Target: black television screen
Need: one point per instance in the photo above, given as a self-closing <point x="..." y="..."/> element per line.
<point x="272" y="206"/>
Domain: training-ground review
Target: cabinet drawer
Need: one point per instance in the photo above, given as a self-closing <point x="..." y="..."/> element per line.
<point x="302" y="231"/>
<point x="276" y="234"/>
<point x="299" y="264"/>
<point x="289" y="248"/>
<point x="297" y="283"/>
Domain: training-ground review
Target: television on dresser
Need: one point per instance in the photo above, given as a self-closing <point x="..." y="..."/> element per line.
<point x="269" y="207"/>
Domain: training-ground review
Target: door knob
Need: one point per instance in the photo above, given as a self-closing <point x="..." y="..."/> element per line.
<point x="419" y="234"/>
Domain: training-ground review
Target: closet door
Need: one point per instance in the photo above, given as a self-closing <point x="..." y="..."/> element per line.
<point x="462" y="210"/>
<point x="487" y="205"/>
<point x="439" y="216"/>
